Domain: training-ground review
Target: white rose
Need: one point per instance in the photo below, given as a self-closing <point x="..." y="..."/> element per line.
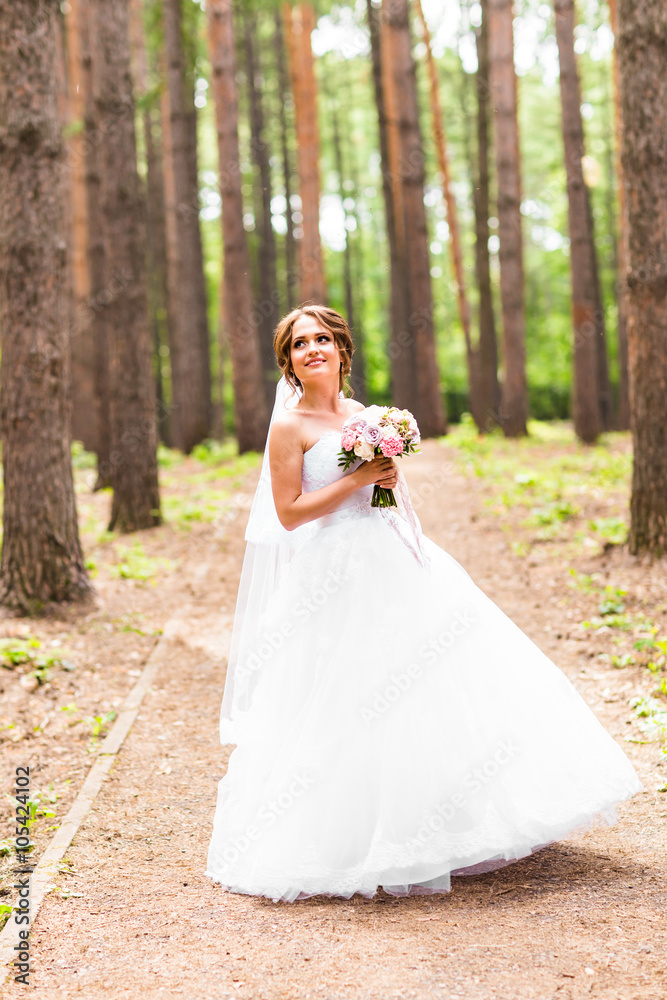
<point x="364" y="450"/>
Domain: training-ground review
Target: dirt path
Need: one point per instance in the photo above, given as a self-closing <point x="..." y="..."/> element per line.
<point x="584" y="918"/>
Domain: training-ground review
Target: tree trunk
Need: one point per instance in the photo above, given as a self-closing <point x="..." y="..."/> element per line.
<point x="357" y="378"/>
<point x="283" y="95"/>
<point x="82" y="348"/>
<point x="621" y="286"/>
<point x="267" y="307"/>
<point x="94" y="134"/>
<point x="429" y="406"/>
<point x="641" y="40"/>
<point x="251" y="418"/>
<point x="488" y="387"/>
<point x="190" y="366"/>
<point x="354" y="246"/>
<point x="456" y="252"/>
<point x="299" y="23"/>
<point x="403" y="364"/>
<point x="585" y="397"/>
<point x="158" y="289"/>
<point x="133" y="462"/>
<point x="41" y="553"/>
<point x="514" y="408"/>
<point x="605" y="398"/>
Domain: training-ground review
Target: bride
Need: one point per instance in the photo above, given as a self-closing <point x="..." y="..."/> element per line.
<point x="393" y="727"/>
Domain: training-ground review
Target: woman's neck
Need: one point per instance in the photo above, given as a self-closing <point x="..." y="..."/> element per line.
<point x="320" y="399"/>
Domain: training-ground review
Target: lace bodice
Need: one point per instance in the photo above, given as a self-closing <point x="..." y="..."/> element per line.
<point x="320" y="467"/>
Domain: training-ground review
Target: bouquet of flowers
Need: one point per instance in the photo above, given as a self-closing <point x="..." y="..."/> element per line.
<point x="378" y="430"/>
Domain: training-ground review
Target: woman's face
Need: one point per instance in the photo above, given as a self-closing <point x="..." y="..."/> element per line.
<point x="313" y="353"/>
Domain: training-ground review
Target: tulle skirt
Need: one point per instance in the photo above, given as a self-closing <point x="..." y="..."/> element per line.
<point x="403" y="730"/>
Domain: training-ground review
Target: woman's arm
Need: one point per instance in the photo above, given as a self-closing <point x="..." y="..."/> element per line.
<point x="295" y="508"/>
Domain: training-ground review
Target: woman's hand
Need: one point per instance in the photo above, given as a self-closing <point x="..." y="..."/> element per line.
<point x="381" y="471"/>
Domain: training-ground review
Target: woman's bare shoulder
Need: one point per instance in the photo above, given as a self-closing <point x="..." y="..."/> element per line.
<point x="354" y="405"/>
<point x="287" y="429"/>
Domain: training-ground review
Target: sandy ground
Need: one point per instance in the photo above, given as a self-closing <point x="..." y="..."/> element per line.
<point x="133" y="915"/>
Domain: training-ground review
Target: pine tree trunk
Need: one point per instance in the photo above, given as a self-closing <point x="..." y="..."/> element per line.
<point x="514" y="408"/>
<point x="586" y="409"/>
<point x="41" y="553"/>
<point x="267" y="306"/>
<point x="94" y="134"/>
<point x="283" y="94"/>
<point x="456" y="251"/>
<point x="133" y="461"/>
<point x="403" y="363"/>
<point x="605" y="398"/>
<point x="190" y="365"/>
<point x="357" y="377"/>
<point x="621" y="287"/>
<point x="488" y="387"/>
<point x="251" y="418"/>
<point x="354" y="246"/>
<point x="641" y="41"/>
<point x="158" y="289"/>
<point x="429" y="409"/>
<point x="299" y="22"/>
<point x="82" y="348"/>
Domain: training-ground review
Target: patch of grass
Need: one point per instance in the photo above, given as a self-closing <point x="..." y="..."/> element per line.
<point x="548" y="475"/>
<point x="99" y="723"/>
<point x="5" y="914"/>
<point x="134" y="564"/>
<point x="18" y="652"/>
<point x="614" y="530"/>
<point x="651" y="716"/>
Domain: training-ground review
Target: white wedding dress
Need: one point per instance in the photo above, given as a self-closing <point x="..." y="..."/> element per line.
<point x="401" y="728"/>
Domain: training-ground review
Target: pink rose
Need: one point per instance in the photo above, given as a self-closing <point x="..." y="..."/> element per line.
<point x="348" y="438"/>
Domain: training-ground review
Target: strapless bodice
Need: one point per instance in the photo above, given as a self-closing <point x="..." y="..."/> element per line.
<point x="320" y="467"/>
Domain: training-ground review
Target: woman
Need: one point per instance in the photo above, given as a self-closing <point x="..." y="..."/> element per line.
<point x="392" y="726"/>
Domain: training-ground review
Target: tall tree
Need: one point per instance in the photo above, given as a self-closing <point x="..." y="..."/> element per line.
<point x="158" y="285"/>
<point x="41" y="553"/>
<point x="299" y="22"/>
<point x="190" y="364"/>
<point x="456" y="251"/>
<point x="621" y="289"/>
<point x="82" y="348"/>
<point x="251" y="417"/>
<point x="133" y="459"/>
<point x="403" y="366"/>
<point x="487" y="402"/>
<point x="283" y="97"/>
<point x="358" y="374"/>
<point x="429" y="408"/>
<point x="100" y="287"/>
<point x="355" y="249"/>
<point x="586" y="407"/>
<point x="502" y="75"/>
<point x="641" y="39"/>
<point x="267" y="306"/>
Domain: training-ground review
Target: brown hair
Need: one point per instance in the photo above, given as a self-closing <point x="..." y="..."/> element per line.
<point x="330" y="320"/>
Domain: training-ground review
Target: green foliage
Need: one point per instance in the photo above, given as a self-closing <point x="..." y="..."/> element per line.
<point x="134" y="564"/>
<point x="651" y="716"/>
<point x="5" y="914"/>
<point x="548" y="486"/>
<point x="17" y="652"/>
<point x="99" y="723"/>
